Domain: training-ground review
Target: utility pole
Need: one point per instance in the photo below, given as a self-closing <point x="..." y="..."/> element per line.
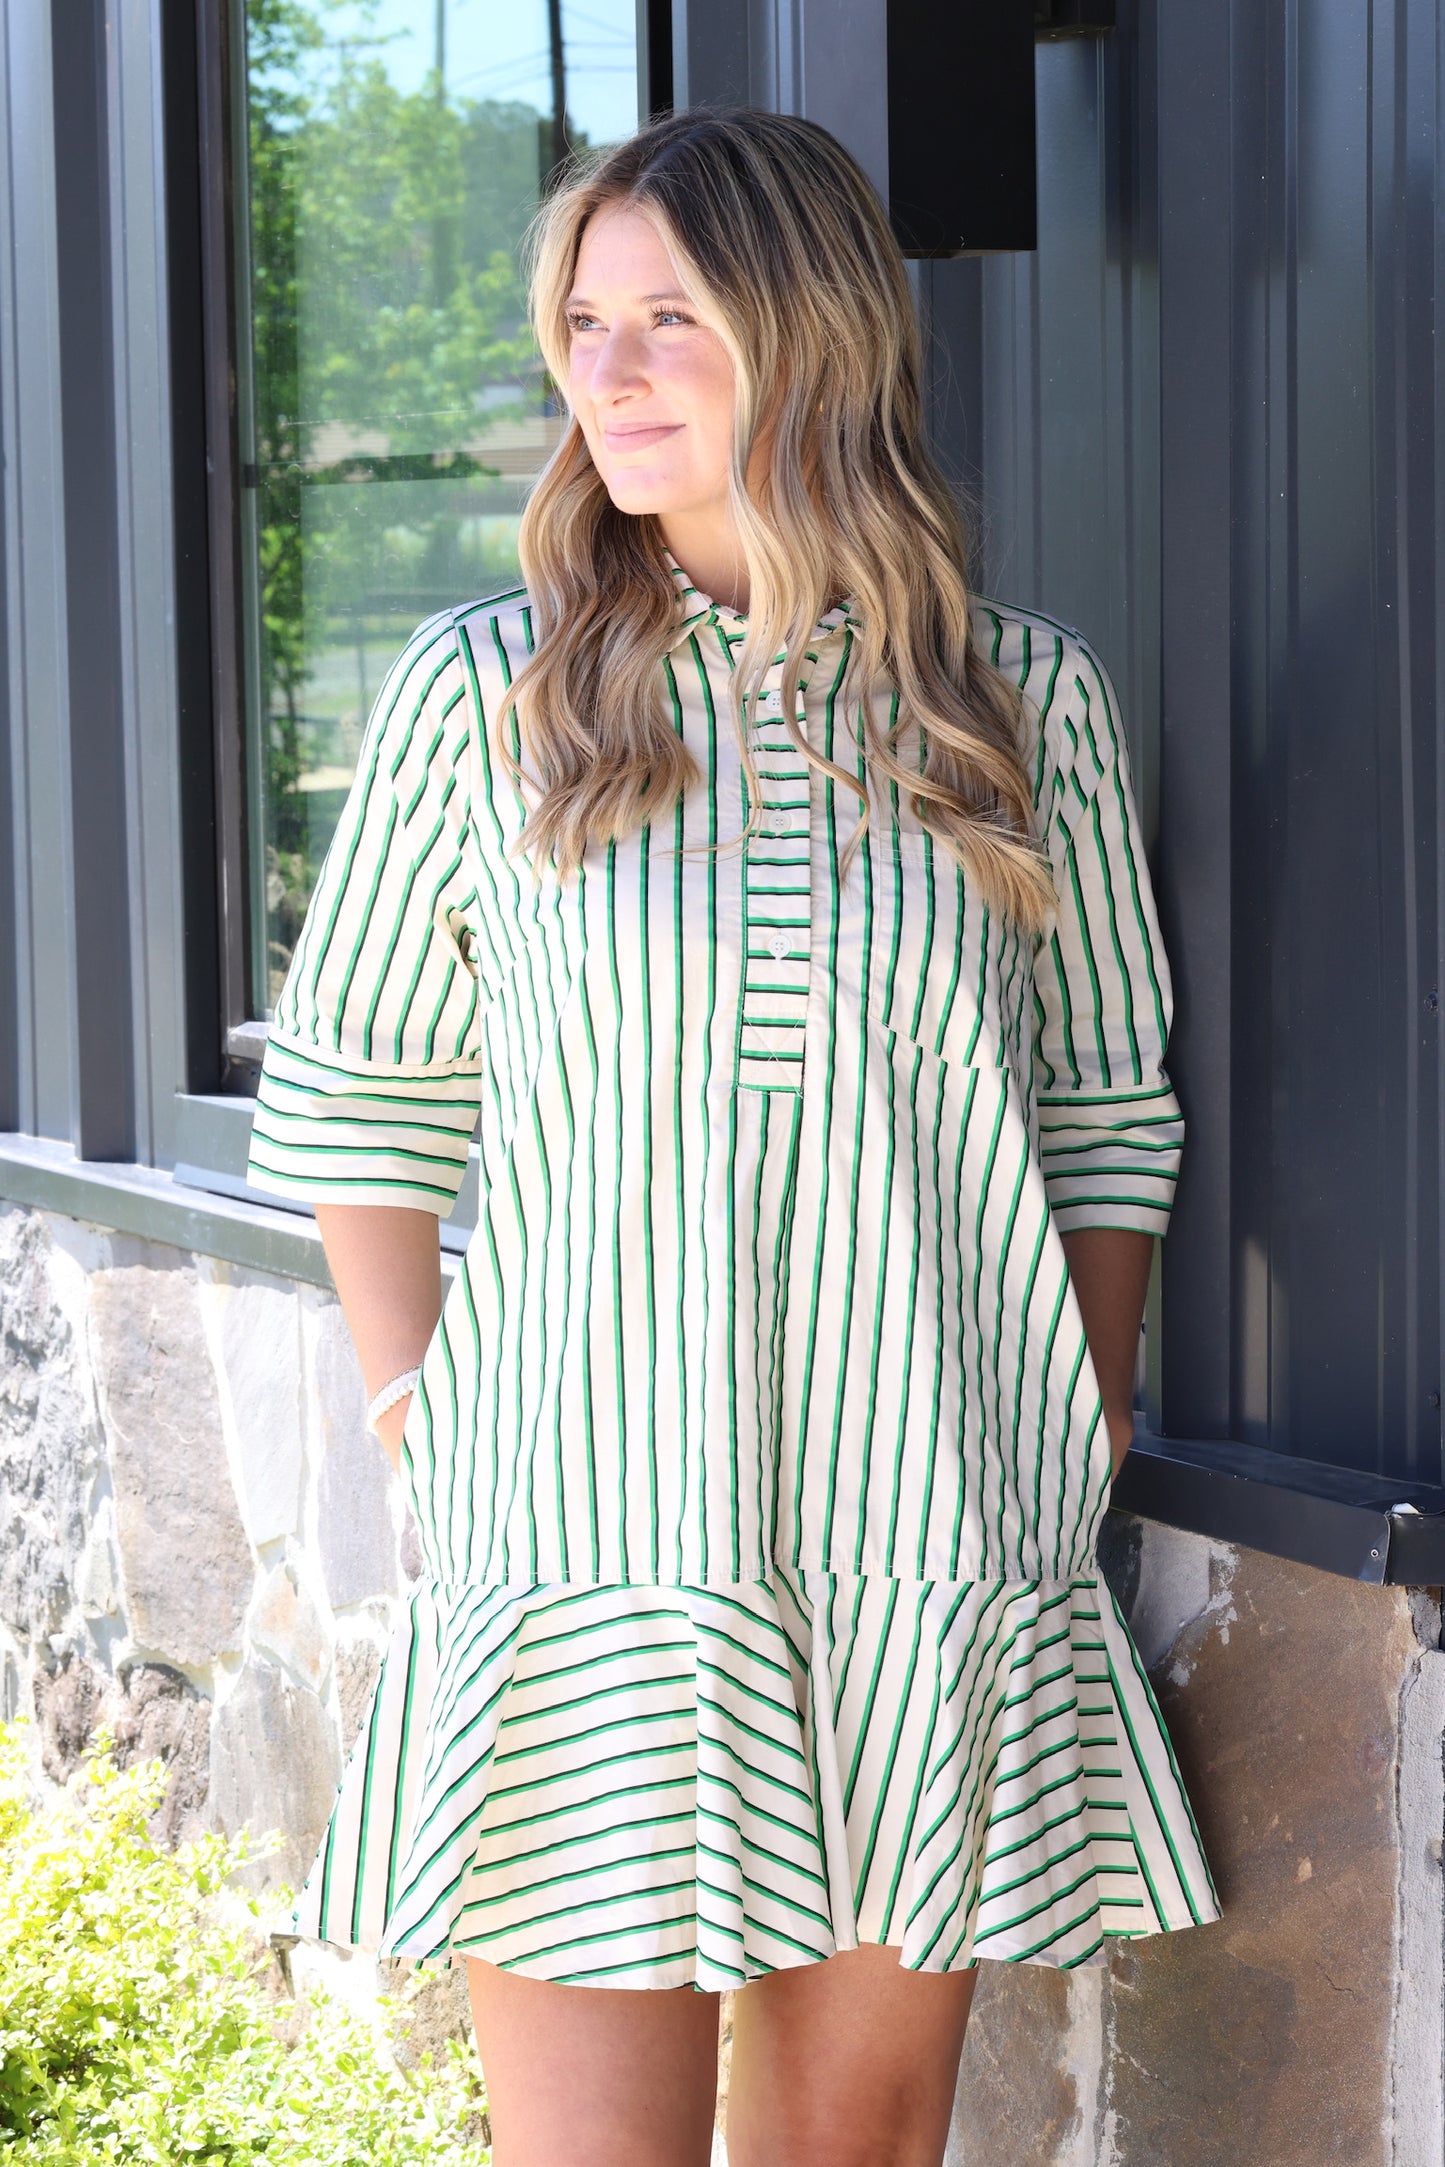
<point x="443" y="240"/>
<point x="560" y="131"/>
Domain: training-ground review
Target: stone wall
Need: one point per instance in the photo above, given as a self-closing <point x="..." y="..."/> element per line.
<point x="198" y="1538"/>
<point x="200" y="1545"/>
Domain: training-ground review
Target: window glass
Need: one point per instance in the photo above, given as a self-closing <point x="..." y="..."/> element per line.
<point x="393" y="412"/>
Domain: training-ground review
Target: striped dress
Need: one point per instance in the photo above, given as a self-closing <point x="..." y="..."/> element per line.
<point x="757" y="1458"/>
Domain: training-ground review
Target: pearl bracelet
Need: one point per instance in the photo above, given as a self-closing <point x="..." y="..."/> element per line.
<point x="390" y="1394"/>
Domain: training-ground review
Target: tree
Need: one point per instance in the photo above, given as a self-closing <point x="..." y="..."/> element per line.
<point x="388" y="330"/>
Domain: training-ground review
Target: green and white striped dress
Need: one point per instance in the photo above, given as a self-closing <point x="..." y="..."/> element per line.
<point x="757" y="1458"/>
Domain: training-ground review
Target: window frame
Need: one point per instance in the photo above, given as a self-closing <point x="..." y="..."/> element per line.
<point x="217" y="29"/>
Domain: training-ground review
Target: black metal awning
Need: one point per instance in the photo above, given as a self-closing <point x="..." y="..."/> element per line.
<point x="1336" y="1518"/>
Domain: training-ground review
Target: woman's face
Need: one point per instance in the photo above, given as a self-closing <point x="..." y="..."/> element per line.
<point x="650" y="383"/>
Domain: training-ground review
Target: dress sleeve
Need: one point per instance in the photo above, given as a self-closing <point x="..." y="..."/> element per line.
<point x="370" y="1086"/>
<point x="1110" y="1128"/>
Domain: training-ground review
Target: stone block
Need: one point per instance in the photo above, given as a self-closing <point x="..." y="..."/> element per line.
<point x="68" y="1700"/>
<point x="97" y="1588"/>
<point x="435" y="2009"/>
<point x="1276" y="2034"/>
<point x="274" y="1765"/>
<point x="51" y="1442"/>
<point x="1273" y="2027"/>
<point x="409" y="1551"/>
<point x="1020" y="2089"/>
<point x="152" y="1712"/>
<point x="259" y="1341"/>
<point x="162" y="1718"/>
<point x="358" y="1666"/>
<point x="286" y="1624"/>
<point x="356" y="1531"/>
<point x="184" y="1557"/>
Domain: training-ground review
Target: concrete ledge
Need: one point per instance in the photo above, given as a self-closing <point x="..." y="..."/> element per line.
<point x="156" y="1206"/>
<point x="211" y="1215"/>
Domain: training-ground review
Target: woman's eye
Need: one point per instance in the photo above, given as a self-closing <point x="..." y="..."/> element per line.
<point x="578" y="320"/>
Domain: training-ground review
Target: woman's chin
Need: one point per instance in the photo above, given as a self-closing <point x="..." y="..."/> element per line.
<point x="631" y="493"/>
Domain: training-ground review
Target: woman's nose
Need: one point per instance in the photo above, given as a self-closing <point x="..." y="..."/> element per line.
<point x="617" y="364"/>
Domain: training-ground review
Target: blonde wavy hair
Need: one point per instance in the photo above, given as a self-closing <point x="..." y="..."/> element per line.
<point x="778" y="237"/>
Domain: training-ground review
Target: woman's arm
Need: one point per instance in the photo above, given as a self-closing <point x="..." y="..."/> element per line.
<point x="386" y="1262"/>
<point x="1110" y="1270"/>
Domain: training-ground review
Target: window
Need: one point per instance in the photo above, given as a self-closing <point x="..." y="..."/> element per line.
<point x="391" y="410"/>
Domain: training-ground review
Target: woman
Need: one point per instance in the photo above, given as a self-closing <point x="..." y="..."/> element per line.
<point x="785" y="914"/>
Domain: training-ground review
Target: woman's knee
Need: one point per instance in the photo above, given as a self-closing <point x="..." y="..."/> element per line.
<point x="817" y="2133"/>
<point x="579" y="2073"/>
<point x="854" y="2060"/>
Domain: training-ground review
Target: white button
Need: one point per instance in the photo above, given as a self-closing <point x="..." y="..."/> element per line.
<point x="779" y="946"/>
<point x="771" y="703"/>
<point x="780" y="822"/>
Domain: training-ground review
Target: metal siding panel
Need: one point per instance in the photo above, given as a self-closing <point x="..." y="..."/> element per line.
<point x="1256" y="456"/>
<point x="1081" y="555"/>
<point x="36" y="600"/>
<point x="104" y="1112"/>
<point x="1325" y="769"/>
<point x="1425" y="164"/>
<point x="1413" y="1348"/>
<point x="823" y="59"/>
<point x="710" y="53"/>
<point x="949" y="292"/>
<point x="11" y="771"/>
<point x="1300" y="504"/>
<point x="1012" y="504"/>
<point x="843" y="76"/>
<point x="1194" y="761"/>
<point x="146" y="565"/>
<point x="1069" y="371"/>
<point x="1336" y="948"/>
<point x="1408" y="1428"/>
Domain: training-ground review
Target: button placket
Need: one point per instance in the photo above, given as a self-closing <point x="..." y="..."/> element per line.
<point x="777" y="903"/>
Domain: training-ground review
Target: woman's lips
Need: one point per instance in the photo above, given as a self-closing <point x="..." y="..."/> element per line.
<point x="639" y="439"/>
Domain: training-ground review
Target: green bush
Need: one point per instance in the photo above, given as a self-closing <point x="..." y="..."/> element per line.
<point x="142" y="2019"/>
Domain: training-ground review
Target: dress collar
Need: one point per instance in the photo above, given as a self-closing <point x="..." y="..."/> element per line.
<point x="696" y="608"/>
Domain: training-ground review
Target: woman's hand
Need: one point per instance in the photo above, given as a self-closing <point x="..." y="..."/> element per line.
<point x="386" y="1262"/>
<point x="1110" y="1270"/>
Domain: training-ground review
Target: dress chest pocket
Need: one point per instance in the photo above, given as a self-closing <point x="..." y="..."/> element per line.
<point x="941" y="969"/>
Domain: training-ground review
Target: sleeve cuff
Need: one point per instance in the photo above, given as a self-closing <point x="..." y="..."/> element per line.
<point x="336" y="1130"/>
<point x="1110" y="1158"/>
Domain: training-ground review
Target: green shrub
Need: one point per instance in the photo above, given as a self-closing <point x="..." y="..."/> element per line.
<point x="142" y="2021"/>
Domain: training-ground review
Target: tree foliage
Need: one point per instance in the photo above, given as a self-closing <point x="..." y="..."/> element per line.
<point x="388" y="332"/>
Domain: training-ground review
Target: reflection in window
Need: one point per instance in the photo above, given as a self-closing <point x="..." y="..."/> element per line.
<point x="392" y="406"/>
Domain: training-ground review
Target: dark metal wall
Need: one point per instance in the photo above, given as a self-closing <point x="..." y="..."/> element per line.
<point x="1205" y="423"/>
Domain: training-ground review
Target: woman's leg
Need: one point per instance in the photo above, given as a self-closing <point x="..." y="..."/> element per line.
<point x="846" y="2063"/>
<point x="579" y="2073"/>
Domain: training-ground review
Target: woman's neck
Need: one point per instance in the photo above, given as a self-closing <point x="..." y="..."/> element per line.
<point x="707" y="546"/>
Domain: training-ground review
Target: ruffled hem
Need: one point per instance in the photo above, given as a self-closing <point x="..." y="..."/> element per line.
<point x="656" y="1786"/>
